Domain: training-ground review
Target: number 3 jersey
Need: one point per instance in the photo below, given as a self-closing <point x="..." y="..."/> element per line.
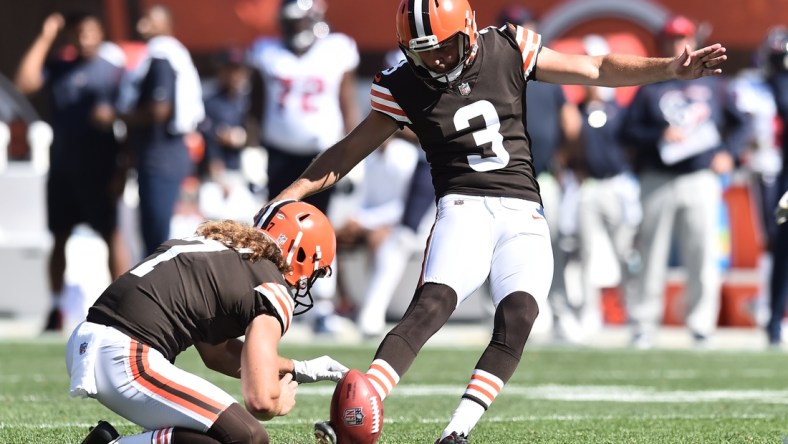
<point x="473" y="132"/>
<point x="192" y="290"/>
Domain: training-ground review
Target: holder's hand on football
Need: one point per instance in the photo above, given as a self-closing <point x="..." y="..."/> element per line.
<point x="781" y="213"/>
<point x="287" y="395"/>
<point x="323" y="368"/>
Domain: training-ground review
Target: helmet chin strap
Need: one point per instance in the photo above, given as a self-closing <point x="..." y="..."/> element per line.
<point x="450" y="76"/>
<point x="304" y="290"/>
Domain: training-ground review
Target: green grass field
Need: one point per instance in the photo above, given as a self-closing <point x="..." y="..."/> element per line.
<point x="558" y="395"/>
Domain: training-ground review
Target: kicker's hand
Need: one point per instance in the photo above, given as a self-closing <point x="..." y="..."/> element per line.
<point x="323" y="368"/>
<point x="699" y="63"/>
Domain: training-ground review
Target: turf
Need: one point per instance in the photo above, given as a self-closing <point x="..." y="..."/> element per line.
<point x="559" y="395"/>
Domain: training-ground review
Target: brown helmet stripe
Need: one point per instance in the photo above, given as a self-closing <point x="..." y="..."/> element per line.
<point x="419" y="18"/>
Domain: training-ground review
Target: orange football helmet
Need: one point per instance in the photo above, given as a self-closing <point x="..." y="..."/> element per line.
<point x="308" y="244"/>
<point x="425" y="25"/>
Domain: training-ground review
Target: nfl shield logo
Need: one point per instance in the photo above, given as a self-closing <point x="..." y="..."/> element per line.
<point x="354" y="417"/>
<point x="83" y="347"/>
<point x="464" y="88"/>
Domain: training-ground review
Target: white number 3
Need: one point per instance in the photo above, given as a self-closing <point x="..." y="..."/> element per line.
<point x="491" y="135"/>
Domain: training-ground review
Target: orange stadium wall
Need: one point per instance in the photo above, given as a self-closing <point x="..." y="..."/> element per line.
<point x="206" y="26"/>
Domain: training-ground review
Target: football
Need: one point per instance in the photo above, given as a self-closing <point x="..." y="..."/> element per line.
<point x="356" y="410"/>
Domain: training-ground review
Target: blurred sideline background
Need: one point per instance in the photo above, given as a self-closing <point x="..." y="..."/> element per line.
<point x="208" y="26"/>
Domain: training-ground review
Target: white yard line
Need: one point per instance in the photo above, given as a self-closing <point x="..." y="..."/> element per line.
<point x="630" y="394"/>
<point x="571" y="393"/>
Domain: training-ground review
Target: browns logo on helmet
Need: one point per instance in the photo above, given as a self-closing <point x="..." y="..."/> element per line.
<point x="308" y="244"/>
<point x="427" y="26"/>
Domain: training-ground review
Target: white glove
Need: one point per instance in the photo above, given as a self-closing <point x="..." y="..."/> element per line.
<point x="323" y="368"/>
<point x="781" y="213"/>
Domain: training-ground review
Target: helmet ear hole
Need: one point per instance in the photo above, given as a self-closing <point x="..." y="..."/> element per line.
<point x="301" y="255"/>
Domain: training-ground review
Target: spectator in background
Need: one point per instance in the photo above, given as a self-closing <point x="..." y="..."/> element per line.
<point x="86" y="175"/>
<point x="608" y="202"/>
<point x="761" y="160"/>
<point x="556" y="124"/>
<point x="685" y="136"/>
<point x="777" y="75"/>
<point x="161" y="102"/>
<point x="755" y="98"/>
<point x="225" y="193"/>
<point x="225" y="110"/>
<point x="304" y="100"/>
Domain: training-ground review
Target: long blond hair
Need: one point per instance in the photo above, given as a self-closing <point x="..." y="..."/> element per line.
<point x="236" y="235"/>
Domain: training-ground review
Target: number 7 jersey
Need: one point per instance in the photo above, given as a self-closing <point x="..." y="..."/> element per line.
<point x="190" y="290"/>
<point x="473" y="132"/>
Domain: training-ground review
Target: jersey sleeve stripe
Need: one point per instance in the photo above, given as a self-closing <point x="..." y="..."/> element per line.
<point x="279" y="302"/>
<point x="520" y="40"/>
<point x="392" y="112"/>
<point x="382" y="92"/>
<point x="383" y="101"/>
<point x="388" y="104"/>
<point x="533" y="43"/>
<point x="285" y="302"/>
<point x="284" y="298"/>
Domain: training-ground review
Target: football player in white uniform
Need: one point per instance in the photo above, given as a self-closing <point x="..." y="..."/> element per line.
<point x="304" y="99"/>
<point x="308" y="81"/>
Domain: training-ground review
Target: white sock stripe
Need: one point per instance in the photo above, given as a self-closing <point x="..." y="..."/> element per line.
<point x="483" y="386"/>
<point x="481" y="396"/>
<point x="381" y="390"/>
<point x="487" y="375"/>
<point x="388" y="368"/>
<point x="378" y="379"/>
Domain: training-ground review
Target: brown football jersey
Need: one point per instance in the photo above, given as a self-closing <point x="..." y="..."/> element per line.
<point x="472" y="132"/>
<point x="192" y="290"/>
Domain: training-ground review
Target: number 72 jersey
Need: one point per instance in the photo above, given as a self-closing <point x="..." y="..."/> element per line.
<point x="472" y="132"/>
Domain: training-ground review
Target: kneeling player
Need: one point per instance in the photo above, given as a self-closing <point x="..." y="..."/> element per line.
<point x="229" y="280"/>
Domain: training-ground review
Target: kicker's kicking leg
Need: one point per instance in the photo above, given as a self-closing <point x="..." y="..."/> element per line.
<point x="428" y="312"/>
